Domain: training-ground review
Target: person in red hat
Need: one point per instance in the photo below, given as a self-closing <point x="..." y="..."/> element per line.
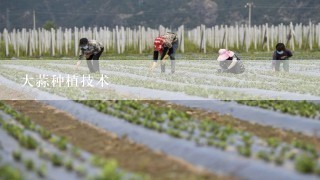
<point x="229" y="62"/>
<point x="164" y="45"/>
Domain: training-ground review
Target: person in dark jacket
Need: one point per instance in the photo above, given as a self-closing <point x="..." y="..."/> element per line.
<point x="165" y="45"/>
<point x="281" y="56"/>
<point x="91" y="50"/>
<point x="229" y="62"/>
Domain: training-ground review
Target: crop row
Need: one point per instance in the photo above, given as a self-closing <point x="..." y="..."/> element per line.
<point x="227" y="80"/>
<point x="206" y="132"/>
<point x="302" y="108"/>
<point x="151" y="84"/>
<point x="18" y="131"/>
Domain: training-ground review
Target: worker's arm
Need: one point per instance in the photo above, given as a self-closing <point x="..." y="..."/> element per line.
<point x="164" y="52"/>
<point x="81" y="55"/>
<point x="234" y="62"/>
<point x="289" y="53"/>
<point x="155" y="55"/>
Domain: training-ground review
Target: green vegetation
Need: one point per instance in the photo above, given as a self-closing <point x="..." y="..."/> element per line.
<point x="107" y="167"/>
<point x="244" y="150"/>
<point x="42" y="171"/>
<point x="69" y="165"/>
<point x="16" y="155"/>
<point x="264" y="156"/>
<point x="305" y="164"/>
<point x="28" y="163"/>
<point x="48" y="25"/>
<point x="180" y="124"/>
<point x="302" y="108"/>
<point x="56" y="160"/>
<point x="7" y="172"/>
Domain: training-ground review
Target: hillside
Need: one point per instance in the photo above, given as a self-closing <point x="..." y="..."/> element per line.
<point x="153" y="12"/>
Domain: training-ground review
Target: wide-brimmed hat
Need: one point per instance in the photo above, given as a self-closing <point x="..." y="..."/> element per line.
<point x="224" y="54"/>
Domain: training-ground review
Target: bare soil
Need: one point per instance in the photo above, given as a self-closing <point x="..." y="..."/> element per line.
<point x="261" y="131"/>
<point x="130" y="156"/>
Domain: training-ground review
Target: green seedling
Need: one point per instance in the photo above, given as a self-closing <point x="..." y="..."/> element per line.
<point x="44" y="133"/>
<point x="80" y="170"/>
<point x="244" y="150"/>
<point x="272" y="142"/>
<point x="42" y="171"/>
<point x="28" y="142"/>
<point x="56" y="160"/>
<point x="16" y="155"/>
<point x="7" y="172"/>
<point x="279" y="160"/>
<point x="109" y="171"/>
<point x="263" y="155"/>
<point x="62" y="144"/>
<point x="291" y="155"/>
<point x="305" y="164"/>
<point x="98" y="161"/>
<point x="29" y="164"/>
<point x="75" y="152"/>
<point x="69" y="165"/>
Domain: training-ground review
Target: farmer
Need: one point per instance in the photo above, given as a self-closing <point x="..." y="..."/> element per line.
<point x="165" y="45"/>
<point x="281" y="55"/>
<point x="229" y="62"/>
<point x="92" y="51"/>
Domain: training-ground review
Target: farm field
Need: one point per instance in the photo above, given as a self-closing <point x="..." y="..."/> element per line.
<point x="130" y="122"/>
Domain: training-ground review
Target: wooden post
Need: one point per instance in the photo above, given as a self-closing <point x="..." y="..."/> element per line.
<point x="6" y="41"/>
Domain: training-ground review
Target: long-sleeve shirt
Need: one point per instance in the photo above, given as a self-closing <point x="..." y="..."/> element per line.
<point x="168" y="39"/>
<point x="94" y="47"/>
<point x="285" y="56"/>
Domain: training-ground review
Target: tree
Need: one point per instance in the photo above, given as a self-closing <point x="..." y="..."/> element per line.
<point x="48" y="25"/>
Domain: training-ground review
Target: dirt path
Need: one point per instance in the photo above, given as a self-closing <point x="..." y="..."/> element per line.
<point x="130" y="156"/>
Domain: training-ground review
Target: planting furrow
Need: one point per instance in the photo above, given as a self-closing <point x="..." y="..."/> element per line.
<point x="251" y="114"/>
<point x="256" y="93"/>
<point x="61" y="161"/>
<point x="139" y="134"/>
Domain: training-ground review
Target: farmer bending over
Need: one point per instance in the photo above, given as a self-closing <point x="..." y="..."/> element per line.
<point x="281" y="55"/>
<point x="92" y="50"/>
<point x="229" y="62"/>
<point x="165" y="45"/>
